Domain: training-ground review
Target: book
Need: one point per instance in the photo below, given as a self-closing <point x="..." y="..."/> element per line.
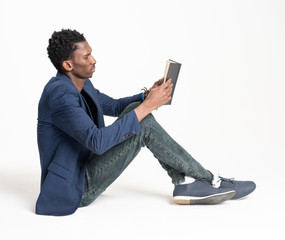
<point x="172" y="69"/>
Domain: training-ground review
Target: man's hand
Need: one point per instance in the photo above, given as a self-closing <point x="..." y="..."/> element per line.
<point x="159" y="95"/>
<point x="158" y="83"/>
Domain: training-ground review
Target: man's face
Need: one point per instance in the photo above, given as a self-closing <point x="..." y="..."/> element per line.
<point x="83" y="63"/>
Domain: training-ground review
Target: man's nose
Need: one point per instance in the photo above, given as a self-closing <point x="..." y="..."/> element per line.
<point x="93" y="61"/>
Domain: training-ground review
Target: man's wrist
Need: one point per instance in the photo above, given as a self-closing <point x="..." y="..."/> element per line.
<point x="143" y="110"/>
<point x="143" y="96"/>
<point x="145" y="93"/>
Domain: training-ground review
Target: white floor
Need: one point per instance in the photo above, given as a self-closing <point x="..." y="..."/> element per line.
<point x="138" y="206"/>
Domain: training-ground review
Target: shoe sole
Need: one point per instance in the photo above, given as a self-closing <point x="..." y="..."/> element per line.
<point x="211" y="199"/>
<point x="242" y="197"/>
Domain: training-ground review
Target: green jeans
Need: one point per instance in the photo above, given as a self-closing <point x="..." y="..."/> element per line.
<point x="103" y="170"/>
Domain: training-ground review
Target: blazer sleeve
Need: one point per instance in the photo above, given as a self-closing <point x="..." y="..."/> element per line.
<point x="114" y="107"/>
<point x="71" y="118"/>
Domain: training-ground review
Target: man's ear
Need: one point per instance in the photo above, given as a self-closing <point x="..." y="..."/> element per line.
<point x="67" y="65"/>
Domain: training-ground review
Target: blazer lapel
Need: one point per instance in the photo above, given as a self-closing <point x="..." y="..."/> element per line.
<point x="96" y="100"/>
<point x="87" y="108"/>
<point x="94" y="97"/>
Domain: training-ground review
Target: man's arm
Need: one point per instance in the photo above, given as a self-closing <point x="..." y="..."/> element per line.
<point x="159" y="95"/>
<point x="114" y="107"/>
<point x="69" y="116"/>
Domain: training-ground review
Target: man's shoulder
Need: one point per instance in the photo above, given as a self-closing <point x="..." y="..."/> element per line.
<point x="59" y="83"/>
<point x="59" y="91"/>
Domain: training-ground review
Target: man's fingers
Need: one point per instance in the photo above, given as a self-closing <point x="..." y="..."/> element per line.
<point x="167" y="83"/>
<point x="169" y="86"/>
<point x="160" y="81"/>
<point x="167" y="89"/>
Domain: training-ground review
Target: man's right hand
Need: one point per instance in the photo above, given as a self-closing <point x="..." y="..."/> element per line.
<point x="158" y="96"/>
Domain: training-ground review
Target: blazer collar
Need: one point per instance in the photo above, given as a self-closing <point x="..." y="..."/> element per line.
<point x="86" y="88"/>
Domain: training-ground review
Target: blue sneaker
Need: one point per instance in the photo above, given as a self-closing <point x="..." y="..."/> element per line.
<point x="200" y="192"/>
<point x="242" y="188"/>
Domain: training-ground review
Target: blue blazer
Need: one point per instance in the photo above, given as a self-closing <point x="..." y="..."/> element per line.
<point x="67" y="134"/>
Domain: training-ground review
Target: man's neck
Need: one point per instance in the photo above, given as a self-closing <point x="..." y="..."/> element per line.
<point x="78" y="82"/>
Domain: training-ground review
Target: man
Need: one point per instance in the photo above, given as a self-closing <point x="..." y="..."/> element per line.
<point x="80" y="157"/>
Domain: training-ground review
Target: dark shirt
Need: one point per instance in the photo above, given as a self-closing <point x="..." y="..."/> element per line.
<point x="90" y="105"/>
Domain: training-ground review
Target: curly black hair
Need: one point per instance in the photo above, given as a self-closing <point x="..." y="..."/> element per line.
<point x="61" y="46"/>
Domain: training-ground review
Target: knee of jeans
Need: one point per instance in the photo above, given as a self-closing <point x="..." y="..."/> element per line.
<point x="128" y="109"/>
<point x="133" y="105"/>
<point x="147" y="121"/>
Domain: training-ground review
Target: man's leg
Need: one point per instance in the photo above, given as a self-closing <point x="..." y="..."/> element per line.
<point x="103" y="170"/>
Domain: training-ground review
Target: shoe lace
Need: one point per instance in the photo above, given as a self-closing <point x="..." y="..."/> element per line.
<point x="229" y="180"/>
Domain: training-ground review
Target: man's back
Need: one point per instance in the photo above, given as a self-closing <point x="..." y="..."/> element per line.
<point x="60" y="154"/>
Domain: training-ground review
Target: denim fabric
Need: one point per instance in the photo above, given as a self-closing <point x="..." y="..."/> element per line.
<point x="103" y="170"/>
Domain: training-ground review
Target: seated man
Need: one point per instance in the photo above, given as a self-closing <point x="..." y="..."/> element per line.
<point x="80" y="157"/>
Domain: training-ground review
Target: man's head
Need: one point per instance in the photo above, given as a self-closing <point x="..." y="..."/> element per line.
<point x="69" y="52"/>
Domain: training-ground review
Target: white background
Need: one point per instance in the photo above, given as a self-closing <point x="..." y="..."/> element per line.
<point x="228" y="111"/>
